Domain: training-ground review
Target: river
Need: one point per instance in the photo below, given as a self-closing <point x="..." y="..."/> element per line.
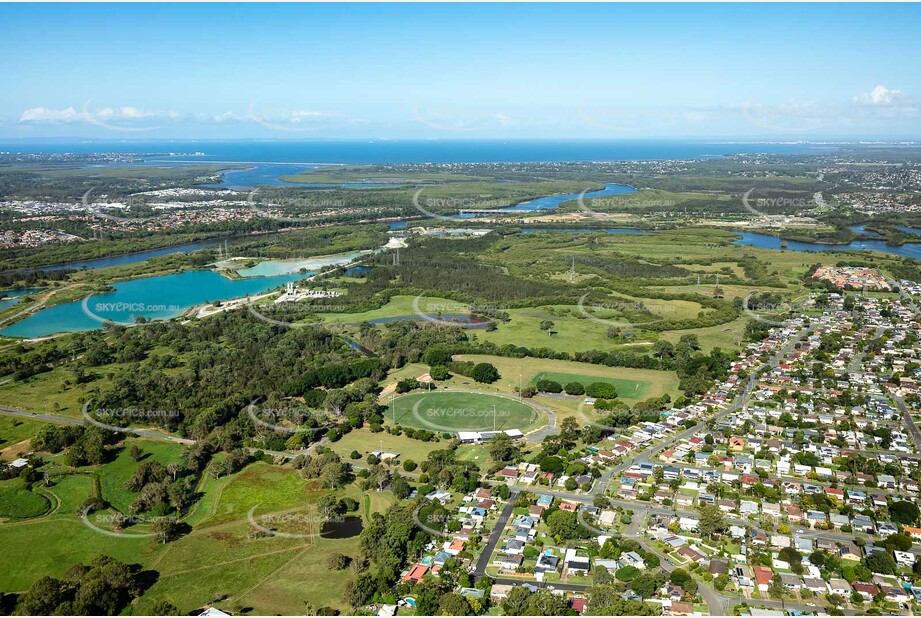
<point x="764" y="241"/>
<point x="120" y="260"/>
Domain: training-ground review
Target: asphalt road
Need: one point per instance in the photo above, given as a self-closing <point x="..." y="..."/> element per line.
<point x="495" y="536"/>
<point x="909" y="421"/>
<point x="67" y="420"/>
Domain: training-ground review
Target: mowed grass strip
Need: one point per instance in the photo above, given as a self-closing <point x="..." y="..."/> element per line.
<point x="452" y="411"/>
<point x="660" y="382"/>
<point x="632" y="389"/>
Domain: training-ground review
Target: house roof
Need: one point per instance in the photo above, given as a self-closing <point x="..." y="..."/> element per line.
<point x="763" y="575"/>
<point x="416" y="573"/>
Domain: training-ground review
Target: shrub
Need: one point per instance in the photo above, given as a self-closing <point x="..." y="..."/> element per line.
<point x="575" y="388"/>
<point x="601" y="390"/>
<point x="549" y="386"/>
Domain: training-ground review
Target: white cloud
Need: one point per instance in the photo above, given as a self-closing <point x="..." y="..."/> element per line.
<point x="305" y="115"/>
<point x="70" y="114"/>
<point x="879" y="96"/>
<point x="44" y="114"/>
<point x="225" y="117"/>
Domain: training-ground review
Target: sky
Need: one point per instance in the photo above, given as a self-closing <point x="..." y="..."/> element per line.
<point x="429" y="71"/>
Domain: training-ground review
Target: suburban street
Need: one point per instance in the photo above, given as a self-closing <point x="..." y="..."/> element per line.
<point x="495" y="536"/>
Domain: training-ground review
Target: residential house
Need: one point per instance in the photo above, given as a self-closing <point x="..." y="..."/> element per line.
<point x="867" y="591"/>
<point x="691" y="555"/>
<point x="415" y="574"/>
<point x="839" y="586"/>
<point x="576" y="563"/>
<point x="763" y="577"/>
<point x="791" y="581"/>
<point x="547" y="563"/>
<point x="509" y="562"/>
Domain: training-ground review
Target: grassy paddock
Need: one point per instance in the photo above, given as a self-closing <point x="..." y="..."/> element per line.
<point x="18" y="503"/>
<point x="116" y="473"/>
<point x="14" y="435"/>
<point x="220" y="559"/>
<point x="363" y="441"/>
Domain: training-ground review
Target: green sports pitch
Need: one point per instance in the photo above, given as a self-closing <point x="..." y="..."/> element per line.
<point x="629" y="389"/>
<point x="451" y="411"/>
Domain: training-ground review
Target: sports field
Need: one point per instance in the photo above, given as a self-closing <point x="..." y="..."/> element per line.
<point x="630" y="389"/>
<point x="452" y="411"/>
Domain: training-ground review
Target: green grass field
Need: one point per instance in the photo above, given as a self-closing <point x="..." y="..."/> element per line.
<point x="400" y="306"/>
<point x="659" y="382"/>
<point x="363" y="441"/>
<point x="462" y="411"/>
<point x="632" y="389"/>
<point x="18" y="503"/>
<point x="219" y="559"/>
<point x="13" y="435"/>
<point x="572" y="332"/>
<point x="727" y="336"/>
<point x="268" y="574"/>
<point x="118" y="472"/>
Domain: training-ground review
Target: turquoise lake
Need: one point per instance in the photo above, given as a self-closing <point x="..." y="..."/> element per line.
<point x="11" y="297"/>
<point x="155" y="298"/>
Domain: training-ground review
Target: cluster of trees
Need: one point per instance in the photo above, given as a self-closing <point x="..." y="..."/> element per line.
<point x="55" y="438"/>
<point x="608" y="601"/>
<point x="227" y="362"/>
<point x="503" y="449"/>
<point x="389" y="541"/>
<point x="484" y="373"/>
<point x="521" y="602"/>
<point x="565" y="524"/>
<point x="442" y="468"/>
<point x="326" y="466"/>
<point x="84" y="446"/>
<point x="22" y="362"/>
<point x="402" y="342"/>
<point x="104" y="587"/>
<point x="160" y="488"/>
<point x="599" y="390"/>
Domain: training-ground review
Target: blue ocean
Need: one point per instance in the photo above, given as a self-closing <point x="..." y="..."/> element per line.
<point x="415" y="151"/>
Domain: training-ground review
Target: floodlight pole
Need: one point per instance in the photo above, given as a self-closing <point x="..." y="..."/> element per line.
<point x="494" y="417"/>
